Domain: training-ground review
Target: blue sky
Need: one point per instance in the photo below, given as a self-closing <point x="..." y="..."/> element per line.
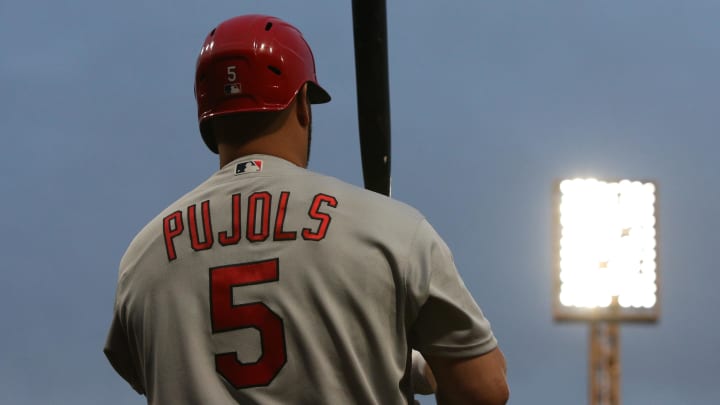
<point x="492" y="102"/>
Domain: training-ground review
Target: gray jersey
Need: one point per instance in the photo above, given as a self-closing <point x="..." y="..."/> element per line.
<point x="269" y="283"/>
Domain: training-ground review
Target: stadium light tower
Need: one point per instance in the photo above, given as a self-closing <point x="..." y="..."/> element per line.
<point x="606" y="270"/>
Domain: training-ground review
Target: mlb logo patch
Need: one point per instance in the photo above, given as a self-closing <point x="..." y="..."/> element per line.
<point x="250" y="166"/>
<point x="232" y="88"/>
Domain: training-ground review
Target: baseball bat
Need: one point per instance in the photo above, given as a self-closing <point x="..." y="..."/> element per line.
<point x="373" y="92"/>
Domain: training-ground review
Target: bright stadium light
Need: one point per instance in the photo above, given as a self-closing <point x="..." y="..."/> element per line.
<point x="607" y="251"/>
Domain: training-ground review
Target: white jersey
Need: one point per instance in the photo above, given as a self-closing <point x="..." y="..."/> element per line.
<point x="271" y="284"/>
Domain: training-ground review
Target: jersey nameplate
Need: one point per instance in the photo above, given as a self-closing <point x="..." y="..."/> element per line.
<point x="256" y="219"/>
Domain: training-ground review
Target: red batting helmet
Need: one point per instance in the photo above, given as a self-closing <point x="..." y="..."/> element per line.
<point x="252" y="63"/>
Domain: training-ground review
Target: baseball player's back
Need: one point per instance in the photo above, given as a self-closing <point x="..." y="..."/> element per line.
<point x="272" y="284"/>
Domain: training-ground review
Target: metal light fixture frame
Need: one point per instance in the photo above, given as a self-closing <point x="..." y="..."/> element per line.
<point x="613" y="312"/>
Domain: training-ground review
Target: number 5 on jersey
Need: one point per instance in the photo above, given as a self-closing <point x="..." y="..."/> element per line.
<point x="226" y="316"/>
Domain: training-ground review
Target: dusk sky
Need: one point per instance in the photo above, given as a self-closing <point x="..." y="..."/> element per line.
<point x="492" y="102"/>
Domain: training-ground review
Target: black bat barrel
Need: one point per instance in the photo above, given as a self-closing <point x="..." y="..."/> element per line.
<point x="373" y="92"/>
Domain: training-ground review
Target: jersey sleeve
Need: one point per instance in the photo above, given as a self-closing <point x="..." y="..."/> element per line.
<point x="121" y="352"/>
<point x="448" y="322"/>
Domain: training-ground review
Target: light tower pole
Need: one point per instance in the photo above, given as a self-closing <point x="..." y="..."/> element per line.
<point x="604" y="363"/>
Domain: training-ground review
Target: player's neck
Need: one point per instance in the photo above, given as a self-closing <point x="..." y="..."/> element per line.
<point x="284" y="145"/>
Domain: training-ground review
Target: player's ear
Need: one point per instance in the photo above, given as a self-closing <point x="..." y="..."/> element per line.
<point x="303" y="107"/>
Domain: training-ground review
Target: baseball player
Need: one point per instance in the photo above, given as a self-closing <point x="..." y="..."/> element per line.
<point x="271" y="284"/>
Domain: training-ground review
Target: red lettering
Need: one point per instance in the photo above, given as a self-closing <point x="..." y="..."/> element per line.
<point x="223" y="236"/>
<point x="253" y="234"/>
<point x="280" y="219"/>
<point x="207" y="227"/>
<point x="323" y="217"/>
<point x="172" y="227"/>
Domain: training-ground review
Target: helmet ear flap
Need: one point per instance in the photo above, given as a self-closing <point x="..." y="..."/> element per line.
<point x="252" y="63"/>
